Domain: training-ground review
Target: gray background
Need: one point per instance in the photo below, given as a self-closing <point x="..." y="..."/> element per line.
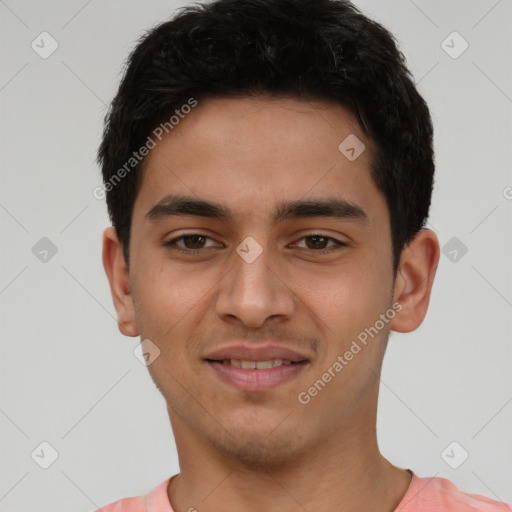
<point x="68" y="377"/>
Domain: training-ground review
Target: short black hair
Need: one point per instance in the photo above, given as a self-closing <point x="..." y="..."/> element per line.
<point x="307" y="49"/>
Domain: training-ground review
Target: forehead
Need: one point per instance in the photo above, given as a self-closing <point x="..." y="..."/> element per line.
<point x="254" y="153"/>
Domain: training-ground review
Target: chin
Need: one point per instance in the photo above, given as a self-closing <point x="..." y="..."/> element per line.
<point x="260" y="450"/>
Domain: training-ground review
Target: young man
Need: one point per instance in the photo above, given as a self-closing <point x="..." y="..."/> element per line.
<point x="268" y="169"/>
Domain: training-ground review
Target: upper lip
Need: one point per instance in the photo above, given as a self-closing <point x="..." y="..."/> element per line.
<point x="251" y="353"/>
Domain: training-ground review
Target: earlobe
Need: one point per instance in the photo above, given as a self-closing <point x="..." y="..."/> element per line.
<point x="119" y="281"/>
<point x="414" y="280"/>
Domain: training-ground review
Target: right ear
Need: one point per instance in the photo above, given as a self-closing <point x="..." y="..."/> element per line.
<point x="119" y="280"/>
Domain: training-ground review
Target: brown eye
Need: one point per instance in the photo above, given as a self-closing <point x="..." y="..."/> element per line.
<point x="195" y="241"/>
<point x="317" y="241"/>
<point x="191" y="243"/>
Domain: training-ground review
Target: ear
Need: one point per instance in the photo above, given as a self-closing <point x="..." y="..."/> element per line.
<point x="414" y="280"/>
<point x="119" y="280"/>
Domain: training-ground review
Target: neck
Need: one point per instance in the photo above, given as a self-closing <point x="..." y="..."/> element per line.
<point x="345" y="473"/>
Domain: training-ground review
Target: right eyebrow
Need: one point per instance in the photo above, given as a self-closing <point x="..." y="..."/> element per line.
<point x="174" y="205"/>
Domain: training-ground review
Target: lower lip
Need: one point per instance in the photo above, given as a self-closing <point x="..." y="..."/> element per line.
<point x="254" y="379"/>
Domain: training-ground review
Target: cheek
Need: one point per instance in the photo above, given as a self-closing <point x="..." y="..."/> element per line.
<point x="168" y="304"/>
<point x="346" y="298"/>
<point x="168" y="293"/>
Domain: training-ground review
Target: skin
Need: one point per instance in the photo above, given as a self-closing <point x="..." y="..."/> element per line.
<point x="260" y="451"/>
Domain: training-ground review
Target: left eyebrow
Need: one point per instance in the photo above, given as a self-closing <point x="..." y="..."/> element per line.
<point x="330" y="207"/>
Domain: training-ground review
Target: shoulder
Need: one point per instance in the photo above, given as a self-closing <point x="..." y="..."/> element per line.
<point x="440" y="494"/>
<point x="155" y="501"/>
<point x="135" y="504"/>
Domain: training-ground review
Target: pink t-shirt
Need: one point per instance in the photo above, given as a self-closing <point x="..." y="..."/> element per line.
<point x="432" y="494"/>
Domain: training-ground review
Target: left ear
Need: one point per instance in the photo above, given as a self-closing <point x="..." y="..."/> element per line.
<point x="414" y="280"/>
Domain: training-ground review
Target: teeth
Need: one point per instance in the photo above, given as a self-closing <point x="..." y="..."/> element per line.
<point x="260" y="365"/>
<point x="265" y="364"/>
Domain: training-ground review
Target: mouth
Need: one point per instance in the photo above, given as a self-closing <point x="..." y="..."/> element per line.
<point x="259" y="365"/>
<point x="256" y="375"/>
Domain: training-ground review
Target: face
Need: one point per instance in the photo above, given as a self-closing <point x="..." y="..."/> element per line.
<point x="309" y="280"/>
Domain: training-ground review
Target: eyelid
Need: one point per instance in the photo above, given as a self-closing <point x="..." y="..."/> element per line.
<point x="175" y="239"/>
<point x="321" y="235"/>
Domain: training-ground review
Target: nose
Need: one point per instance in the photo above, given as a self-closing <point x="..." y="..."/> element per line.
<point x="254" y="291"/>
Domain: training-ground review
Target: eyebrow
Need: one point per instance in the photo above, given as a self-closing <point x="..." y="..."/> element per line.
<point x="177" y="205"/>
<point x="329" y="207"/>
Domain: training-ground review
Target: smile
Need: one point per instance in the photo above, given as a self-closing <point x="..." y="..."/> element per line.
<point x="259" y="365"/>
<point x="254" y="376"/>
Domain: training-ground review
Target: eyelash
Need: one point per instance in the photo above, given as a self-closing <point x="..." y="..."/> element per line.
<point x="319" y="252"/>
